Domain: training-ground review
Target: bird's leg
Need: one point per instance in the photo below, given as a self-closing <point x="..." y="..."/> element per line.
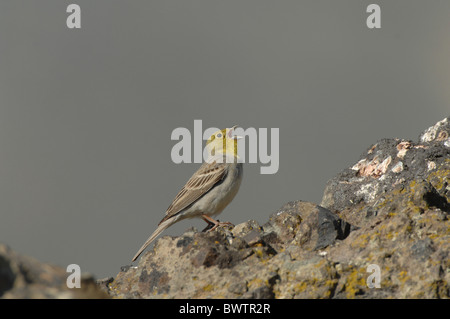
<point x="209" y="226"/>
<point x="214" y="223"/>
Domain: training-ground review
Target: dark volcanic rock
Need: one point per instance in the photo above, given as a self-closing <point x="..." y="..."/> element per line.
<point x="388" y="213"/>
<point x="317" y="227"/>
<point x="392" y="165"/>
<point x="242" y="263"/>
<point x="25" y="277"/>
<point x="382" y="221"/>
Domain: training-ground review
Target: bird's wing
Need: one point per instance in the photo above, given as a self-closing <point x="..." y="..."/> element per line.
<point x="208" y="175"/>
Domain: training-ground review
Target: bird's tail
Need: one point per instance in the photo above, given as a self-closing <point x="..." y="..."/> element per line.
<point x="155" y="234"/>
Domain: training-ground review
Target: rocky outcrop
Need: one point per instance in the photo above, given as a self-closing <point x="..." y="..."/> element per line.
<point x="248" y="261"/>
<point x="382" y="230"/>
<point x="25" y="277"/>
<point x="383" y="222"/>
<point x="393" y="164"/>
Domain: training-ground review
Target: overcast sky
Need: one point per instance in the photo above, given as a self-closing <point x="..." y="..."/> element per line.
<point x="86" y="115"/>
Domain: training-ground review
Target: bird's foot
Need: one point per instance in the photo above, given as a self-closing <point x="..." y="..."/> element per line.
<point x="219" y="224"/>
<point x="213" y="224"/>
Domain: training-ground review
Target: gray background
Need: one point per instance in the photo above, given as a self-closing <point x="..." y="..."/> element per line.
<point x="86" y="115"/>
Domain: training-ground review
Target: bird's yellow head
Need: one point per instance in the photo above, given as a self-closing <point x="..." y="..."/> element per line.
<point x="223" y="142"/>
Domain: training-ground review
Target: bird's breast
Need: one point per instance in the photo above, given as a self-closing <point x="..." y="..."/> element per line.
<point x="224" y="192"/>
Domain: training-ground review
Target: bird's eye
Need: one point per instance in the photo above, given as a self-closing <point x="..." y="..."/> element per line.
<point x="219" y="135"/>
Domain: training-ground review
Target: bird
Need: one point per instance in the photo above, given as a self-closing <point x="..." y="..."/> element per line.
<point x="210" y="189"/>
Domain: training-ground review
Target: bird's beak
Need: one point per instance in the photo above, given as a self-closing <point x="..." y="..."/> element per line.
<point x="231" y="133"/>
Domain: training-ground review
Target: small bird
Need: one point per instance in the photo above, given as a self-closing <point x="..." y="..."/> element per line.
<point x="212" y="187"/>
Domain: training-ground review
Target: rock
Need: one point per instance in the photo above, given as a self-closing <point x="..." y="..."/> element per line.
<point x="394" y="164"/>
<point x="309" y="225"/>
<point x="103" y="283"/>
<point x="242" y="263"/>
<point x="383" y="222"/>
<point x="438" y="133"/>
<point x="25" y="277"/>
<point x="387" y="213"/>
<point x="220" y="264"/>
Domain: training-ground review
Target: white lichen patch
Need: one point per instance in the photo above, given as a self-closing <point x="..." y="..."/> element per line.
<point x="397" y="167"/>
<point x="431" y="133"/>
<point x="431" y="165"/>
<point x="368" y="191"/>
